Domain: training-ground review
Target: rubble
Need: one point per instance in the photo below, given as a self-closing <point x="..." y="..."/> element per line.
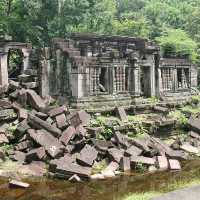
<point x="18" y="184"/>
<point x="54" y="136"/>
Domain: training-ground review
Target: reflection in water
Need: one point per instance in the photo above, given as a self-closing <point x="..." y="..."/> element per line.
<point x="112" y="189"/>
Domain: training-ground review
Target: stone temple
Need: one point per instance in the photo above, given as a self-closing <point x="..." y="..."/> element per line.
<point x="89" y="70"/>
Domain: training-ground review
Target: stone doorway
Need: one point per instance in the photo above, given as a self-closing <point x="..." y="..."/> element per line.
<point x="15" y="63"/>
<point x="145" y="81"/>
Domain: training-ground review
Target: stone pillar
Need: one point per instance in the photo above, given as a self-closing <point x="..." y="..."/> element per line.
<point x="45" y="73"/>
<point x="26" y="59"/>
<point x="134" y="79"/>
<point x="4" y="69"/>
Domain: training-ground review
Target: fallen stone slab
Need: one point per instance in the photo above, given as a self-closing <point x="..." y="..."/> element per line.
<point x="93" y="131"/>
<point x="102" y="145"/>
<point x="69" y="169"/>
<point x="160" y="109"/>
<point x="80" y="117"/>
<point x="45" y="139"/>
<point x="194" y="124"/>
<point x="174" y="165"/>
<point x="35" y="100"/>
<point x="5" y="104"/>
<point x="22" y="114"/>
<point x="22" y="128"/>
<point x="58" y="111"/>
<point x="125" y="164"/>
<point x="22" y="97"/>
<point x="142" y="160"/>
<point x="41" y="115"/>
<point x="87" y="156"/>
<point x="115" y="154"/>
<point x="194" y="135"/>
<point x="141" y="143"/>
<point x="122" y="140"/>
<point x="60" y="162"/>
<point x="162" y="162"/>
<point x="67" y="135"/>
<point x="36" y="168"/>
<point x="61" y="121"/>
<point x="18" y="156"/>
<point x="81" y="131"/>
<point x="23" y="145"/>
<point x="189" y="148"/>
<point x="133" y="151"/>
<point x="121" y="113"/>
<point x="179" y="155"/>
<point x="37" y="154"/>
<point x="13" y="85"/>
<point x="38" y="123"/>
<point x="113" y="166"/>
<point x="3" y="139"/>
<point x="108" y="174"/>
<point x="18" y="184"/>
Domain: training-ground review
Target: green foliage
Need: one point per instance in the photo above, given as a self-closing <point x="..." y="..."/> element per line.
<point x="195" y="99"/>
<point x="177" y="42"/>
<point x="140" y="167"/>
<point x="142" y="196"/>
<point x="179" y="117"/>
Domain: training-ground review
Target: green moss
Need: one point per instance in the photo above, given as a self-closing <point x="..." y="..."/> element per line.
<point x="141" y="196"/>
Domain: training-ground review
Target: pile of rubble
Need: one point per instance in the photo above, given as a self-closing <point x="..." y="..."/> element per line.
<point x="64" y="141"/>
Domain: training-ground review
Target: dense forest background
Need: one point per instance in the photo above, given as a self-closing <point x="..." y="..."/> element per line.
<point x="174" y="24"/>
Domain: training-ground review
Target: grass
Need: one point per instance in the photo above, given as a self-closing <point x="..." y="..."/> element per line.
<point x="171" y="187"/>
<point x="142" y="196"/>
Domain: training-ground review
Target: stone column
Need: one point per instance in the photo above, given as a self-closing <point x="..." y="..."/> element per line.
<point x="26" y="59"/>
<point x="134" y="79"/>
<point x="3" y="68"/>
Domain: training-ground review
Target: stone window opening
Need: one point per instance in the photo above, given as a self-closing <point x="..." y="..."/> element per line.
<point x="103" y="80"/>
<point x="183" y="78"/>
<point x="167" y="79"/>
<point x="15" y="63"/>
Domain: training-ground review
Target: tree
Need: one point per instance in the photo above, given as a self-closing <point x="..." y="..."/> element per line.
<point x="177" y="42"/>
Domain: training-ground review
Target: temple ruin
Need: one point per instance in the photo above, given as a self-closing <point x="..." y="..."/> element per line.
<point x="98" y="70"/>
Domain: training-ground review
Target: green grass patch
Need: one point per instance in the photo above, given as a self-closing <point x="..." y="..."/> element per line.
<point x="142" y="196"/>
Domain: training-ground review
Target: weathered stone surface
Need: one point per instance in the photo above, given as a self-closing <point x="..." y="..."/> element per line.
<point x="18" y="184"/>
<point x="5" y="104"/>
<point x="70" y="169"/>
<point x="23" y="145"/>
<point x="87" y="156"/>
<point x="45" y="139"/>
<point x="22" y="128"/>
<point x="115" y="154"/>
<point x="80" y="117"/>
<point x="133" y="151"/>
<point x="194" y="124"/>
<point x="121" y="113"/>
<point x="189" y="148"/>
<point x="174" y="164"/>
<point x="102" y="145"/>
<point x="194" y="135"/>
<point x="125" y="164"/>
<point x="30" y="85"/>
<point x="121" y="140"/>
<point x="75" y="178"/>
<point x="41" y="115"/>
<point x="61" y="121"/>
<point x="22" y="114"/>
<point x="22" y="97"/>
<point x="25" y="78"/>
<point x="14" y="85"/>
<point x="179" y="154"/>
<point x="113" y="166"/>
<point x="97" y="177"/>
<point x="141" y="143"/>
<point x="162" y="162"/>
<point x="59" y="162"/>
<point x="36" y="168"/>
<point x="41" y="124"/>
<point x="67" y="135"/>
<point x="36" y="154"/>
<point x="108" y="174"/>
<point x="57" y="111"/>
<point x="93" y="131"/>
<point x="80" y="130"/>
<point x="3" y="139"/>
<point x="18" y="156"/>
<point x="35" y="100"/>
<point x="160" y="109"/>
<point x="143" y="160"/>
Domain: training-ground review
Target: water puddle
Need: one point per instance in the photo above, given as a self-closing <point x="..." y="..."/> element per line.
<point x="112" y="189"/>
